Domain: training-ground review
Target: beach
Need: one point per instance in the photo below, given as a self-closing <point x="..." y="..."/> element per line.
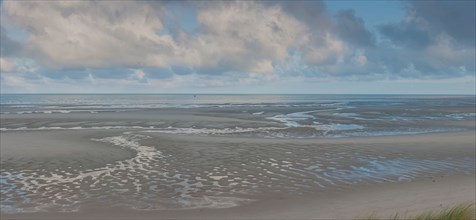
<point x="424" y="192"/>
<point x="253" y="161"/>
<point x="238" y="109"/>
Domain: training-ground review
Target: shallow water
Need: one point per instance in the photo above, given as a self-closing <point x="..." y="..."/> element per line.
<point x="271" y="116"/>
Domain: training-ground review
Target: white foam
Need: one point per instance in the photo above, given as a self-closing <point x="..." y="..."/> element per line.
<point x="292" y="119"/>
<point x="346" y="114"/>
<point x="461" y="116"/>
<point x="338" y="127"/>
<point x="65" y="110"/>
<point x="398" y="132"/>
<point x="171" y="130"/>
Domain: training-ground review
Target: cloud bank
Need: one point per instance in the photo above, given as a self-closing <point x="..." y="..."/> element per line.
<point x="219" y="43"/>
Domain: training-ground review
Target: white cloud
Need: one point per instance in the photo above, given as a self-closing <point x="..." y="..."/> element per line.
<point x="359" y="60"/>
<point x="5" y="65"/>
<point x="95" y="34"/>
<point x="329" y="50"/>
<point x="239" y="36"/>
<point x="245" y="35"/>
<point x="264" y="66"/>
<point x="445" y="53"/>
<point x="139" y="74"/>
<point x="234" y="42"/>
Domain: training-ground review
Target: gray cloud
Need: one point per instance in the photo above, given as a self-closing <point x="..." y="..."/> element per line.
<point x="435" y="40"/>
<point x="408" y="34"/>
<point x="455" y="18"/>
<point x="8" y="47"/>
<point x="427" y="19"/>
<point x="313" y="13"/>
<point x="352" y="29"/>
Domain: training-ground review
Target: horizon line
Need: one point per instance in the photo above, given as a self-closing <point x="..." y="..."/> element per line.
<point x="117" y="93"/>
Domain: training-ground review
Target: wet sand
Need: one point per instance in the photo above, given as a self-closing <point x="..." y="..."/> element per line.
<point x="135" y="174"/>
<point x="65" y="145"/>
<point x="409" y="198"/>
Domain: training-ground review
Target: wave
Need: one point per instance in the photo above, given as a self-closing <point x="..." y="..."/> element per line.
<point x="399" y="132"/>
<point x="212" y="131"/>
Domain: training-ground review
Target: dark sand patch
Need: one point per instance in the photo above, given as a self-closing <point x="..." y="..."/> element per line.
<point x="58" y="147"/>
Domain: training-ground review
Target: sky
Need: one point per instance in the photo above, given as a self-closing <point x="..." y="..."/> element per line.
<point x="304" y="47"/>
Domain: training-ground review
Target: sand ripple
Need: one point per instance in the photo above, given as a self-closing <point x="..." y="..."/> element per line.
<point x="177" y="175"/>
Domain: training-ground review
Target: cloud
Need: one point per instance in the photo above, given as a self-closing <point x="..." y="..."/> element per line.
<point x="140" y="76"/>
<point x="5" y="65"/>
<point x="221" y="43"/>
<point x="435" y="40"/>
<point x="313" y="14"/>
<point x="360" y="60"/>
<point x="320" y="43"/>
<point x="96" y="34"/>
<point x="352" y="29"/>
<point x="457" y="19"/>
<point x="8" y="47"/>
<point x="411" y="32"/>
<point x="426" y="19"/>
<point x="245" y="36"/>
<point x="329" y="51"/>
<point x="240" y="36"/>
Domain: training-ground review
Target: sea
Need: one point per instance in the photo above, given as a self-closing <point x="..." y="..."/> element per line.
<point x="281" y="116"/>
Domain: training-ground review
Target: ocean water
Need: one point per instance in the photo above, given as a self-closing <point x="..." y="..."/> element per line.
<point x="270" y="116"/>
